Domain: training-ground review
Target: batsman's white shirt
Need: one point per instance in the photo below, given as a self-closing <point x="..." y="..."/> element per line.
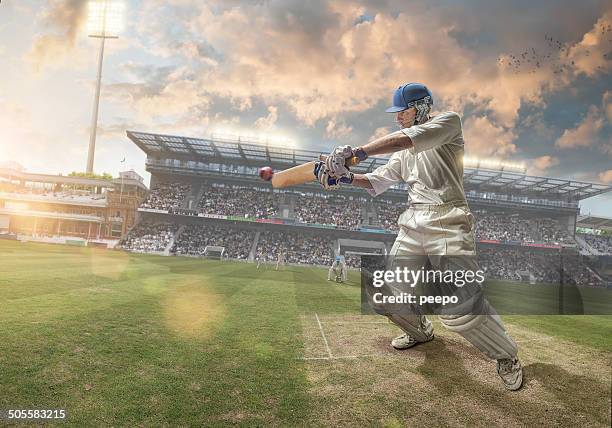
<point x="432" y="168"/>
<point x="438" y="220"/>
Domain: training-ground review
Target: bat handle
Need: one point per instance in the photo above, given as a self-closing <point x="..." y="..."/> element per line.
<point x="352" y="161"/>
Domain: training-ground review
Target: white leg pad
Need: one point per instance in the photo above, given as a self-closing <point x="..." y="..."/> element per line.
<point x="485" y="332"/>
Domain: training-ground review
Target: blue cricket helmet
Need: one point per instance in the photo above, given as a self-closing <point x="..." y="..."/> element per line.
<point x="408" y="95"/>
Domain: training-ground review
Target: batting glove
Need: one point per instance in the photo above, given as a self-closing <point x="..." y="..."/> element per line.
<point x="323" y="176"/>
<point x="336" y="161"/>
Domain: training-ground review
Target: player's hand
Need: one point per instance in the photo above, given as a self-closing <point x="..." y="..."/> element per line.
<point x="336" y="161"/>
<point x="328" y="182"/>
<point x="324" y="177"/>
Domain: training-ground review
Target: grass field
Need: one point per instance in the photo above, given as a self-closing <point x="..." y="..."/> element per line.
<point x="133" y="340"/>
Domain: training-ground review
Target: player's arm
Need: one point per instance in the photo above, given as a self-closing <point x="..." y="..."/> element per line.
<point x="360" y="180"/>
<point x="374" y="182"/>
<point x="390" y="143"/>
<point x="443" y="129"/>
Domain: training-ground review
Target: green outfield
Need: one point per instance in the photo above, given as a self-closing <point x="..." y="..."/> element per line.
<point x="134" y="340"/>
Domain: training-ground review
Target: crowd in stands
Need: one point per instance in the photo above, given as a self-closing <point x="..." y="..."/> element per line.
<point x="194" y="239"/>
<point x="238" y="201"/>
<point x="149" y="237"/>
<point x="519" y="264"/>
<point x="296" y="247"/>
<point x="388" y="213"/>
<point x="499" y="262"/>
<point x="165" y="196"/>
<point x="549" y="230"/>
<point x="338" y="210"/>
<point x="346" y="212"/>
<point x="601" y="243"/>
<point x="517" y="228"/>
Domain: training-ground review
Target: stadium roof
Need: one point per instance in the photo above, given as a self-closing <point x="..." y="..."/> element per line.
<point x="243" y="152"/>
<point x="594" y="222"/>
<point x="14" y="174"/>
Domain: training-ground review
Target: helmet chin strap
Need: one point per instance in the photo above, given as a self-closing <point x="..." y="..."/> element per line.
<point x="423" y="107"/>
<point x="422" y="114"/>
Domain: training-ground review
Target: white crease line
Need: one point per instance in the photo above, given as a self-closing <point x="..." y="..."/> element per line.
<point x="538" y="339"/>
<point x="341" y="357"/>
<point x="358" y="322"/>
<point x="324" y="338"/>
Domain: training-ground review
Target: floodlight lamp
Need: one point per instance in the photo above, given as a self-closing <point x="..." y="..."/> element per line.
<point x="105" y="18"/>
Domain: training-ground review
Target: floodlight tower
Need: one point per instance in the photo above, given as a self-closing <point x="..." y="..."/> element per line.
<point x="105" y="20"/>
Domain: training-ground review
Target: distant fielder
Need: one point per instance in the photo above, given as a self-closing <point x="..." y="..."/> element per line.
<point x="428" y="156"/>
<point x="337" y="271"/>
<point x="280" y="261"/>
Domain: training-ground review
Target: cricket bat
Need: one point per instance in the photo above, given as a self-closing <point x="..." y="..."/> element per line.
<point x="302" y="173"/>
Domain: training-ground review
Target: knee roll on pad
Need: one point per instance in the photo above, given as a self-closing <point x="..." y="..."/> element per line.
<point x="485" y="332"/>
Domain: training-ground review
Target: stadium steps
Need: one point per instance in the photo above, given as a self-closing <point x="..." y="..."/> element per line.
<point x="375" y="219"/>
<point x="194" y="196"/>
<point x="286" y="202"/>
<point x="173" y="240"/>
<point x="254" y="247"/>
<point x="585" y="245"/>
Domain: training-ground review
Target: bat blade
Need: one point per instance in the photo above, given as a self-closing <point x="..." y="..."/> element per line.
<point x="293" y="176"/>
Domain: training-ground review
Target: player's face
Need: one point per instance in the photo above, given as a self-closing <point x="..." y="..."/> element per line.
<point x="405" y="118"/>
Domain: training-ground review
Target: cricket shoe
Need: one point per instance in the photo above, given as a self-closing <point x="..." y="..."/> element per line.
<point x="511" y="372"/>
<point x="404" y="341"/>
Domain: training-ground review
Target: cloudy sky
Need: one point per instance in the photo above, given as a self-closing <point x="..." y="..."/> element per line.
<point x="531" y="79"/>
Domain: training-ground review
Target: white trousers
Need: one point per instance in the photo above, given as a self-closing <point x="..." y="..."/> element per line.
<point x="426" y="233"/>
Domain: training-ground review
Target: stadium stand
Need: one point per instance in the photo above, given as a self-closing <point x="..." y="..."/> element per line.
<point x="542" y="266"/>
<point x="515" y="227"/>
<point x="519" y="217"/>
<point x="195" y="238"/>
<point x="149" y="237"/>
<point x="337" y="210"/>
<point x="298" y="248"/>
<point x="388" y="213"/>
<point x="165" y="196"/>
<point x="242" y="201"/>
<point x="602" y="243"/>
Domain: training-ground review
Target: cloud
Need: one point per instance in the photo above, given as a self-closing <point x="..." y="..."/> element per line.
<point x="51" y="51"/>
<point x="586" y="133"/>
<point x="159" y="91"/>
<point x="592" y="55"/>
<point x="63" y="40"/>
<point x="324" y="67"/>
<point x="607" y="104"/>
<point x="606" y="176"/>
<point x="64" y="19"/>
<point x="321" y="61"/>
<point x="541" y="164"/>
<point x="267" y="122"/>
<point x="337" y="129"/>
<point x="67" y="16"/>
<point x="379" y="132"/>
<point x="483" y="138"/>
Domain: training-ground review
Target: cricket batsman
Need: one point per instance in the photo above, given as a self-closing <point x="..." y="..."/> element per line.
<point x="427" y="154"/>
